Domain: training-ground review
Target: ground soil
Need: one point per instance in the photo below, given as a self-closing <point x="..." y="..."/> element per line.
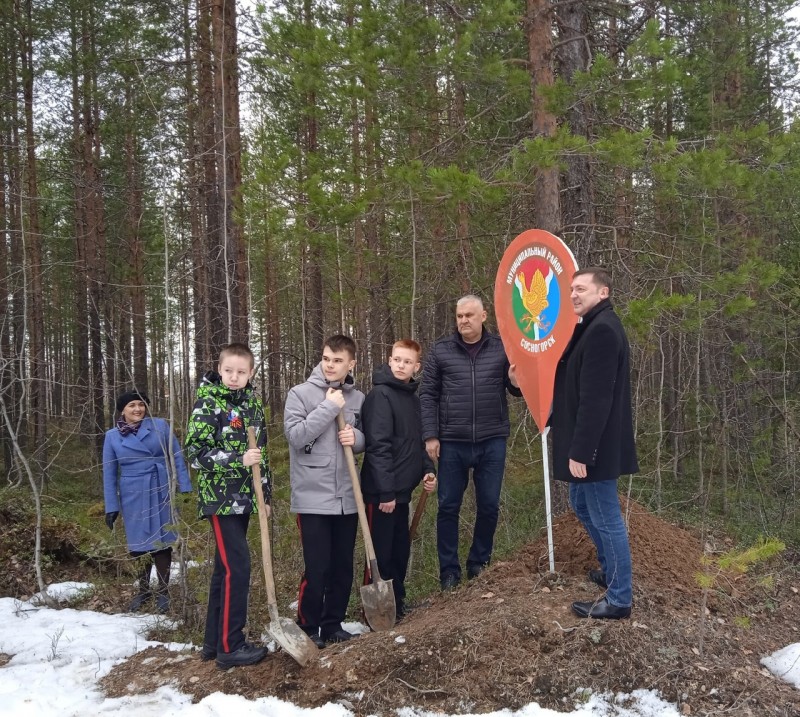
<point x="508" y="638"/>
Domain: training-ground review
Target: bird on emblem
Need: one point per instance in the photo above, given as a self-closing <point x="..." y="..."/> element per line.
<point x="534" y="298"/>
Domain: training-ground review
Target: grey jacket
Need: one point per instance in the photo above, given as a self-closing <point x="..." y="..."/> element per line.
<point x="318" y="472"/>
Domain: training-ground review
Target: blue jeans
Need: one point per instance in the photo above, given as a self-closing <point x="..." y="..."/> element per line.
<point x="487" y="459"/>
<point x="597" y="507"/>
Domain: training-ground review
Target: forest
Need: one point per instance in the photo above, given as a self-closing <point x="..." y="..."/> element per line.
<point x="177" y="175"/>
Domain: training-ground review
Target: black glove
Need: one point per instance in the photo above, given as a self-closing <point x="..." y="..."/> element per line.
<point x="110" y="518"/>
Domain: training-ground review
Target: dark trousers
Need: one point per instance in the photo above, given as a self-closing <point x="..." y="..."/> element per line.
<point x="392" y="543"/>
<point x="487" y="460"/>
<point x="230" y="584"/>
<point x="328" y="543"/>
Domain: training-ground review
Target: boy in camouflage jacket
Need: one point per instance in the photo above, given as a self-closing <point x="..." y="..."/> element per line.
<point x="216" y="445"/>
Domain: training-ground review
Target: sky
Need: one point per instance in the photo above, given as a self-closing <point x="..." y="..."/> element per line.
<point x="58" y="657"/>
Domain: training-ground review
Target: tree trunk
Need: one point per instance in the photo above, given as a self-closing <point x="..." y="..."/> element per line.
<point x="80" y="277"/>
<point x="38" y="385"/>
<point x="312" y="265"/>
<point x="229" y="140"/>
<point x="546" y="209"/>
<point x="133" y="224"/>
<point x="577" y="200"/>
<point x="214" y="333"/>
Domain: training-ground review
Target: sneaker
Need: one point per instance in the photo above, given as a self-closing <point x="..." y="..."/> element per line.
<point x="450" y="581"/>
<point x="247" y="654"/>
<point x="339" y="636"/>
<point x="208" y="653"/>
<point x="474" y="570"/>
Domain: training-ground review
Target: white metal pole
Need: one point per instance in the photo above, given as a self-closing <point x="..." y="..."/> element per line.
<point x="549" y="512"/>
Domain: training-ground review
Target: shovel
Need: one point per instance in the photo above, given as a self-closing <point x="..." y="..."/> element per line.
<point x="412" y="531"/>
<point x="377" y="599"/>
<point x="285" y="631"/>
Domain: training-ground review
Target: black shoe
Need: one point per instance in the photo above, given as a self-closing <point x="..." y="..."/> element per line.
<point x="474" y="570"/>
<point x="208" y="653"/>
<point x="162" y="603"/>
<point x="598" y="577"/>
<point x="338" y="636"/>
<point x="247" y="654"/>
<point x="139" y="600"/>
<point x="450" y="581"/>
<point x="401" y="613"/>
<point x="314" y="636"/>
<point x="600" y="610"/>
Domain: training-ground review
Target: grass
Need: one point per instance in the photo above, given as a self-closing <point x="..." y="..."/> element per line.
<point x="73" y="498"/>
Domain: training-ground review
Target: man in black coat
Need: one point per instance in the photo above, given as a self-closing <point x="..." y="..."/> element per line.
<point x="465" y="426"/>
<point x="593" y="441"/>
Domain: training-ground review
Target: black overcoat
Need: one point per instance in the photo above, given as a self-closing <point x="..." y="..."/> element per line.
<point x="592" y="420"/>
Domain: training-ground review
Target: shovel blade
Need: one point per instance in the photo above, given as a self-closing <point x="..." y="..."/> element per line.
<point x="377" y="600"/>
<point x="293" y="640"/>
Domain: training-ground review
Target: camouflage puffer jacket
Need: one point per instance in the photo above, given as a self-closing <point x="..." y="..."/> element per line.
<point x="215" y="442"/>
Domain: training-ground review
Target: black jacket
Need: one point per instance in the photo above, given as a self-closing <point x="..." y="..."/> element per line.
<point x="592" y="419"/>
<point x="395" y="459"/>
<point x="464" y="399"/>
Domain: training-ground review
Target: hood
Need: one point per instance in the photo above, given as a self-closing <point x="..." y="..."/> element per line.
<point x="318" y="379"/>
<point x="211" y="385"/>
<point x="383" y="376"/>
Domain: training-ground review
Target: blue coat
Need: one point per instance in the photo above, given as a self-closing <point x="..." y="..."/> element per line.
<point x="136" y="482"/>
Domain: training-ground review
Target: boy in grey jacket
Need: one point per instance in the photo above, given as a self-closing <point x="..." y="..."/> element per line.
<point x="322" y="491"/>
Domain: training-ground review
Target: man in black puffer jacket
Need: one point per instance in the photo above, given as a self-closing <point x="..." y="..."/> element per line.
<point x="395" y="462"/>
<point x="465" y="425"/>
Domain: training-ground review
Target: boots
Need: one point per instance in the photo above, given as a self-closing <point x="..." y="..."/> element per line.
<point x="144" y="593"/>
<point x="163" y="560"/>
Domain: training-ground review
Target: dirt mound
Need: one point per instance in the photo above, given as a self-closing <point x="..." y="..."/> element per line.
<point x="17" y="540"/>
<point x="509" y="638"/>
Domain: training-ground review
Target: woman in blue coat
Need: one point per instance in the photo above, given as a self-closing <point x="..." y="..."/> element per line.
<point x="136" y="471"/>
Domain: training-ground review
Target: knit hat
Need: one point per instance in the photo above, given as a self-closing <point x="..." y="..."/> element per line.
<point x="125" y="398"/>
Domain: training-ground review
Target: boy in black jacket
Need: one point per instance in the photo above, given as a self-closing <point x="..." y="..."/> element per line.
<point x="395" y="461"/>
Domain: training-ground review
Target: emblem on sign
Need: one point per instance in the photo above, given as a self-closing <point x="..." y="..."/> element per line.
<point x="534" y="312"/>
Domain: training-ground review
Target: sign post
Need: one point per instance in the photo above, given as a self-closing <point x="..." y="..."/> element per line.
<point x="536" y="320"/>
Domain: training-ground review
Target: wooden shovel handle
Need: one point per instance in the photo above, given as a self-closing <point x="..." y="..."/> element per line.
<point x="263" y="522"/>
<point x="418" y="514"/>
<point x="362" y="513"/>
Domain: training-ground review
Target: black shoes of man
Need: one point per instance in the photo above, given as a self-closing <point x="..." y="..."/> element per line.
<point x="598" y="577"/>
<point x="450" y="581"/>
<point x="600" y="610"/>
<point x="330" y="638"/>
<point x="474" y="570"/>
<point x="247" y="654"/>
<point x="336" y="636"/>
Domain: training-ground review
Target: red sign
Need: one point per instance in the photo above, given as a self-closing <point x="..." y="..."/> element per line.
<point x="534" y="313"/>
